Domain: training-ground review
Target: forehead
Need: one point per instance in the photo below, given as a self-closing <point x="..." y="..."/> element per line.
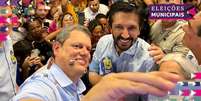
<point x="103" y="20"/>
<point x="79" y="36"/>
<point x="126" y="18"/>
<point x="94" y="2"/>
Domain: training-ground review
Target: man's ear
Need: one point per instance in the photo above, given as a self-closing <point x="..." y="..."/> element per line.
<point x="55" y="47"/>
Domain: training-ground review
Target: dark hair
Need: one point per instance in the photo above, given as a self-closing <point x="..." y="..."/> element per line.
<point x="123" y="7"/>
<point x="92" y="25"/>
<point x="99" y="16"/>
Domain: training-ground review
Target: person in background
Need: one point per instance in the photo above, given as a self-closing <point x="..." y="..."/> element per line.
<point x="102" y="19"/>
<point x="94" y="8"/>
<point x="67" y="19"/>
<point x="34" y="51"/>
<point x="97" y="32"/>
<point x="168" y="34"/>
<point x="8" y="63"/>
<point x="55" y="16"/>
<point x="41" y="11"/>
<point x="178" y="64"/>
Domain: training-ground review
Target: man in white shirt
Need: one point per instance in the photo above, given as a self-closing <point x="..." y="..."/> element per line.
<point x="94" y="8"/>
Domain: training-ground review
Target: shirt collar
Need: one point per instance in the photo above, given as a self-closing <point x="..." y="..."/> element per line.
<point x="64" y="80"/>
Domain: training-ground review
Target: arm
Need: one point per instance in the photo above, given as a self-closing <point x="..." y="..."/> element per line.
<point x="117" y="85"/>
<point x="52" y="35"/>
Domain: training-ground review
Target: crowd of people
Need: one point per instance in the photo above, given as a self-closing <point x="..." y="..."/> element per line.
<point x="91" y="50"/>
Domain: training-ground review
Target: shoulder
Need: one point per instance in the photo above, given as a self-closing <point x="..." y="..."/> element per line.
<point x="103" y="6"/>
<point x="37" y="86"/>
<point x="103" y="46"/>
<point x="143" y="44"/>
<point x="106" y="37"/>
<point x="104" y="42"/>
<point x="86" y="10"/>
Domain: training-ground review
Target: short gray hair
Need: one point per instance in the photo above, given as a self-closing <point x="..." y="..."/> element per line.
<point x="66" y="30"/>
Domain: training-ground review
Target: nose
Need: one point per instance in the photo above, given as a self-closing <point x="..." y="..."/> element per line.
<point x="125" y="33"/>
<point x="84" y="51"/>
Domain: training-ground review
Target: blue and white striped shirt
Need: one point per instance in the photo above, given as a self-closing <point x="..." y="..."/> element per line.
<point x="51" y="85"/>
<point x="105" y="58"/>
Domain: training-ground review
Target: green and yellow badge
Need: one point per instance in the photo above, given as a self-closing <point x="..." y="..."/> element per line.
<point x="107" y="63"/>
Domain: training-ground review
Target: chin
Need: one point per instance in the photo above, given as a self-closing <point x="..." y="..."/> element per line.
<point x="82" y="68"/>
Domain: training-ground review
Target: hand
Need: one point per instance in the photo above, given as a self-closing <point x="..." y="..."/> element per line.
<point x="27" y="63"/>
<point x="30" y="61"/>
<point x="37" y="61"/>
<point x="156" y="52"/>
<point x="112" y="87"/>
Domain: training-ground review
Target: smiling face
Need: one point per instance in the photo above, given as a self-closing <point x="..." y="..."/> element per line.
<point x="125" y="30"/>
<point x="94" y="5"/>
<point x="41" y="11"/>
<point x="76" y="47"/>
<point x="67" y="20"/>
<point x="35" y="29"/>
